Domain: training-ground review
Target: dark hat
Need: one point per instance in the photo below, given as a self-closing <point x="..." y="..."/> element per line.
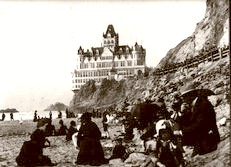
<point x="188" y="88"/>
<point x="86" y="116"/>
<point x="42" y="122"/>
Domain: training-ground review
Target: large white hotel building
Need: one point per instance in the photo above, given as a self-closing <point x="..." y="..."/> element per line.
<point x="111" y="60"/>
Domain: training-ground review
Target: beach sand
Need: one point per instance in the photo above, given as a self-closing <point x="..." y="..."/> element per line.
<point x="13" y="134"/>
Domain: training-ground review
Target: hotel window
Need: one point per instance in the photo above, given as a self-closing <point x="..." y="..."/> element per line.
<point x="139" y="62"/>
<point x="129" y="63"/>
<point x="122" y="63"/>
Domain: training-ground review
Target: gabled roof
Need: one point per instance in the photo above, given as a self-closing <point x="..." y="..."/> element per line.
<point x="110" y="29"/>
<point x="139" y="47"/>
<point x="122" y="49"/>
<point x="94" y="50"/>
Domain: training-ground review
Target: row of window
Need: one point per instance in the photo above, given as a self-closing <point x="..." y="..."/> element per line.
<point x="118" y="56"/>
<point x="110" y="64"/>
<point x="101" y="73"/>
<point x="106" y="58"/>
<point x="108" y="41"/>
<point x="83" y="81"/>
<point x="92" y="73"/>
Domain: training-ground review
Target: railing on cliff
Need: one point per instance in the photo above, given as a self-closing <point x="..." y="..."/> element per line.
<point x="214" y="54"/>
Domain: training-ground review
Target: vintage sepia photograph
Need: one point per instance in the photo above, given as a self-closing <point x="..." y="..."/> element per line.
<point x="123" y="83"/>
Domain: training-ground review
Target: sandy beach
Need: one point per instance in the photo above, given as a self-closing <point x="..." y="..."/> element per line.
<point x="13" y="134"/>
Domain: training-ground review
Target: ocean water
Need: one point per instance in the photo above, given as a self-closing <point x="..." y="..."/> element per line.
<point x="30" y="115"/>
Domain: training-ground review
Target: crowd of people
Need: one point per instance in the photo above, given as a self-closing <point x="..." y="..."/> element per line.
<point x="190" y="121"/>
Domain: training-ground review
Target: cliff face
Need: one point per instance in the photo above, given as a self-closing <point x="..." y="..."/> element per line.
<point x="208" y="33"/>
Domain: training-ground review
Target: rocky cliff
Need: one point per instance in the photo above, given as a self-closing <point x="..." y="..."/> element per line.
<point x="208" y="33"/>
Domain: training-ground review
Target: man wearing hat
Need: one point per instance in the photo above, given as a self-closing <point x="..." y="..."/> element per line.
<point x="200" y="129"/>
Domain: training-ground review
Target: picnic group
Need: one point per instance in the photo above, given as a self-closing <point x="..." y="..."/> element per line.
<point x="190" y="121"/>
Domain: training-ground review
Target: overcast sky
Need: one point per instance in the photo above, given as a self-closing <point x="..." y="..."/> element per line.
<point x="39" y="41"/>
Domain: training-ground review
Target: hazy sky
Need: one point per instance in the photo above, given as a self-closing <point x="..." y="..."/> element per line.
<point x="39" y="41"/>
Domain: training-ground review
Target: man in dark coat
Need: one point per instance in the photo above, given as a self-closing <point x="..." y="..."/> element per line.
<point x="91" y="151"/>
<point x="200" y="129"/>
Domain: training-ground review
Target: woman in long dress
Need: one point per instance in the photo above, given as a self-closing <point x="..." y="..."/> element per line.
<point x="91" y="151"/>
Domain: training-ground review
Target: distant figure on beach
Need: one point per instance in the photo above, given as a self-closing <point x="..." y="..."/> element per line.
<point x="67" y="113"/>
<point x="50" y="115"/>
<point x="60" y="114"/>
<point x="88" y="141"/>
<point x="31" y="153"/>
<point x="105" y="122"/>
<point x="35" y="116"/>
<point x="11" y="116"/>
<point x="3" y="116"/>
<point x="63" y="129"/>
<point x="72" y="129"/>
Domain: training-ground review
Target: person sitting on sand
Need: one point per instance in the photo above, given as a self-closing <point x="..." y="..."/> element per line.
<point x="119" y="150"/>
<point x="72" y="129"/>
<point x="63" y="129"/>
<point x="31" y="153"/>
<point x="50" y="129"/>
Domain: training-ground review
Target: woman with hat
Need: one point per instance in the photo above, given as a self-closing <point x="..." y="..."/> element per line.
<point x="200" y="129"/>
<point x="88" y="140"/>
<point x="31" y="153"/>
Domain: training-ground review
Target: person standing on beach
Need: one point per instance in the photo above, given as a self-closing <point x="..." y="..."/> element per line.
<point x="3" y="116"/>
<point x="50" y="115"/>
<point x="35" y="116"/>
<point x="88" y="141"/>
<point x="105" y="123"/>
<point x="11" y="116"/>
<point x="60" y="114"/>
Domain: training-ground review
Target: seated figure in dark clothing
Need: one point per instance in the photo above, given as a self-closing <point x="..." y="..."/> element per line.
<point x="72" y="129"/>
<point x="31" y="153"/>
<point x="119" y="151"/>
<point x="50" y="129"/>
<point x="62" y="130"/>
